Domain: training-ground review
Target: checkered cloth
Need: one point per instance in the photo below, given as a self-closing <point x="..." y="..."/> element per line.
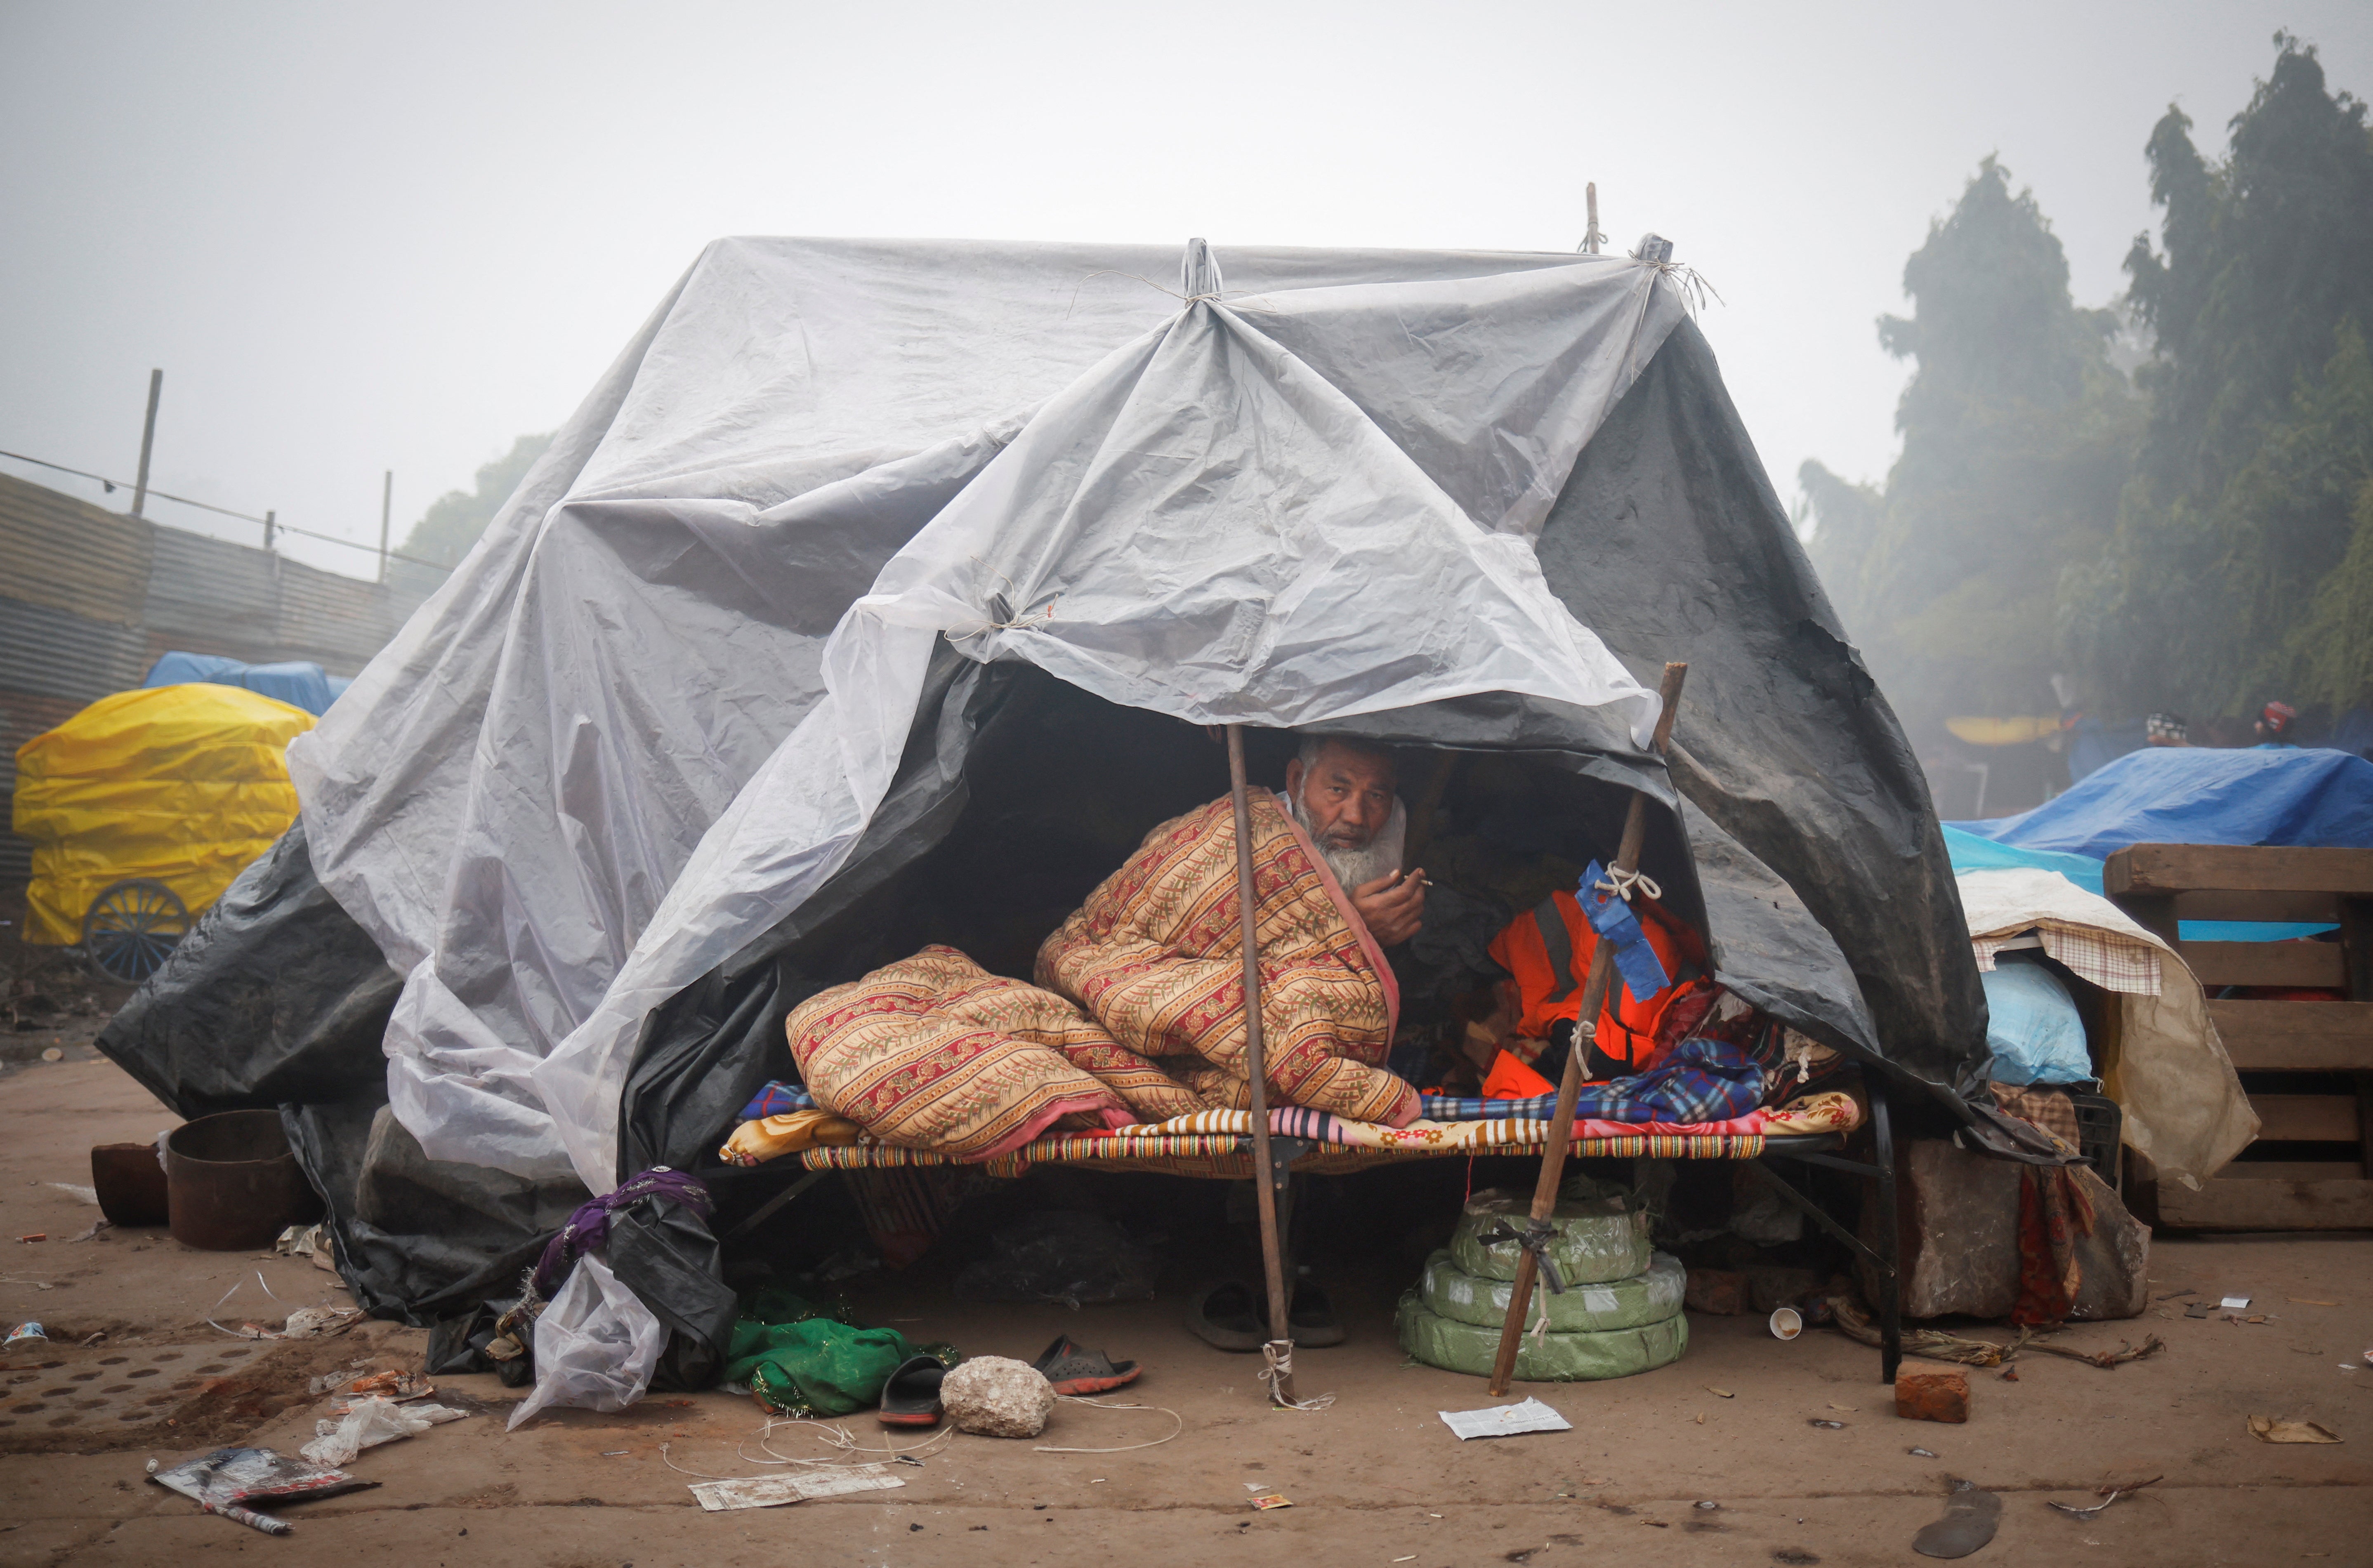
<point x="1704" y="1079"/>
<point x="777" y="1099"/>
<point x="2049" y="1109"/>
<point x="2111" y="961"/>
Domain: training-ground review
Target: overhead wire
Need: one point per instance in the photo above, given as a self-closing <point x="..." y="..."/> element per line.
<point x="272" y="522"/>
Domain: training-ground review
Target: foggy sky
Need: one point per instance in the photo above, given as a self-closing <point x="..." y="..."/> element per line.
<point x="360" y="237"/>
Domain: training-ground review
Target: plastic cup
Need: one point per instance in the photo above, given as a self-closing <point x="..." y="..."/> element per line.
<point x="1786" y="1323"/>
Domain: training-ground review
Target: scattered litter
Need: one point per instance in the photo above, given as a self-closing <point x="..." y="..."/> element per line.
<point x="1700" y="1420"/>
<point x="772" y="1492"/>
<point x="228" y="1479"/>
<point x="2108" y="1496"/>
<point x="2235" y="1304"/>
<point x="2274" y="1429"/>
<point x="81" y="1194"/>
<point x="1506" y="1421"/>
<point x="616" y="1453"/>
<point x="1720" y="1393"/>
<point x="1832" y="1425"/>
<point x="2310" y="1301"/>
<point x="1848" y="1409"/>
<point x="321" y="1322"/>
<point x="1786" y="1323"/>
<point x="37" y="1236"/>
<point x="307" y="1241"/>
<point x="2199" y="1308"/>
<point x="1410" y="1558"/>
<point x="369" y="1422"/>
<point x="1921" y="1453"/>
<point x="1265" y="1501"/>
<point x="53" y="1054"/>
<point x="25" y="1334"/>
<point x="1709" y="1506"/>
<point x="1970" y="1517"/>
<point x="2170" y="1295"/>
<point x="96" y="1226"/>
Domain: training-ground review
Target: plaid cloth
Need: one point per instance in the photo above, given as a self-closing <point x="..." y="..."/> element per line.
<point x="2049" y="1109"/>
<point x="1703" y="1079"/>
<point x="2111" y="961"/>
<point x="777" y="1099"/>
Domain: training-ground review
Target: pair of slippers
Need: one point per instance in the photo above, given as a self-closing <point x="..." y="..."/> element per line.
<point x="1232" y="1316"/>
<point x="911" y="1398"/>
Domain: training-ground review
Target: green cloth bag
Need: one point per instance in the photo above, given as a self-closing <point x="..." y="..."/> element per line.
<point x="1553" y="1358"/>
<point x="815" y="1366"/>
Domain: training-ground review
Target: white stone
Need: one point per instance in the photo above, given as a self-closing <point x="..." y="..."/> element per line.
<point x="997" y="1397"/>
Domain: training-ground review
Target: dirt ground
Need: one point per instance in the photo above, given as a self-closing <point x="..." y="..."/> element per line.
<point x="1377" y="1479"/>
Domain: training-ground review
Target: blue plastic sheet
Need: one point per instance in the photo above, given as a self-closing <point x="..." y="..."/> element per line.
<point x="1972" y="853"/>
<point x="2033" y="1027"/>
<point x="299" y="682"/>
<point x="2198" y="795"/>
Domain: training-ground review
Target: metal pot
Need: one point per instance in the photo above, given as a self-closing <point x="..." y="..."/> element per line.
<point x="233" y="1183"/>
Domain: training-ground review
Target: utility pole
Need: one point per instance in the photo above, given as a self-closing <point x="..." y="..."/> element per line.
<point x="1592" y="240"/>
<point x="270" y="519"/>
<point x="386" y="506"/>
<point x="147" y="442"/>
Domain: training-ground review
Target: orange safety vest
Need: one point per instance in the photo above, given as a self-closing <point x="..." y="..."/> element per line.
<point x="1548" y="953"/>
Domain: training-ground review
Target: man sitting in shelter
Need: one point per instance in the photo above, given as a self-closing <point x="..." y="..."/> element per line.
<point x="1137" y="1014"/>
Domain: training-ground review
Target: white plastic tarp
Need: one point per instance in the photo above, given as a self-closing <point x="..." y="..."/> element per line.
<point x="2181" y="1103"/>
<point x="655" y="707"/>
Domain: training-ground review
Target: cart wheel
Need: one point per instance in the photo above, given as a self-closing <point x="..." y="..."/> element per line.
<point x="132" y="928"/>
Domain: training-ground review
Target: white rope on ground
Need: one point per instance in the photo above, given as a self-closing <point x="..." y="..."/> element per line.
<point x="835" y="1435"/>
<point x="1276" y="1365"/>
<point x="1098" y="1404"/>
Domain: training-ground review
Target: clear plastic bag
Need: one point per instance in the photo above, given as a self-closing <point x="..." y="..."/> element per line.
<point x="369" y="1422"/>
<point x="595" y="1345"/>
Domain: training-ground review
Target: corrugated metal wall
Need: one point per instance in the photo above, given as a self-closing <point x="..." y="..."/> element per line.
<point x="90" y="599"/>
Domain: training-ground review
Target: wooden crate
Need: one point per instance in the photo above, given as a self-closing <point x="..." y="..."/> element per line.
<point x="2160" y="884"/>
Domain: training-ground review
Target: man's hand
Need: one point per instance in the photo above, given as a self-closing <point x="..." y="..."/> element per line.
<point x="1392" y="905"/>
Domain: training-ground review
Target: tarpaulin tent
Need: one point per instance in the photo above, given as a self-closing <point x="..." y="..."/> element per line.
<point x="182" y="784"/>
<point x="878" y="590"/>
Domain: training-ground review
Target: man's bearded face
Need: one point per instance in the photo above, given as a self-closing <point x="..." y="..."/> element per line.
<point x="1346" y="802"/>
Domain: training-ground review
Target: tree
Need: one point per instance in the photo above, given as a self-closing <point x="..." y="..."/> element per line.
<point x="2242" y="566"/>
<point x="454" y="520"/>
<point x="2017" y="437"/>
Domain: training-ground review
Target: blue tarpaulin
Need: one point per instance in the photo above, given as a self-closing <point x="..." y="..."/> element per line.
<point x="2184" y="795"/>
<point x="299" y="683"/>
<point x="2200" y="795"/>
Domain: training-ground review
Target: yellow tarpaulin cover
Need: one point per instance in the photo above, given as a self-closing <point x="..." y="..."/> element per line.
<point x="185" y="784"/>
<point x="2016" y="732"/>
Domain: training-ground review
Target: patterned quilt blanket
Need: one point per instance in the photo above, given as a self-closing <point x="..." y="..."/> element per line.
<point x="1155" y="956"/>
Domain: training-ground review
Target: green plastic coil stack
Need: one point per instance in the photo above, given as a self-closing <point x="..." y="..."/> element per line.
<point x="1619" y="1314"/>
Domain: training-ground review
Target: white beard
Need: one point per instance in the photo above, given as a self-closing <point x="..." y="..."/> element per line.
<point x="1356" y="868"/>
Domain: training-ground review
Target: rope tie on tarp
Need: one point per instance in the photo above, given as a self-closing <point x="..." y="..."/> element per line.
<point x="1606" y="901"/>
<point x="588" y="1229"/>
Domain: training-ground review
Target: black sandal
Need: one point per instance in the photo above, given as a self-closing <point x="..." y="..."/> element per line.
<point x="1075" y="1370"/>
<point x="911" y="1398"/>
<point x="1227" y="1316"/>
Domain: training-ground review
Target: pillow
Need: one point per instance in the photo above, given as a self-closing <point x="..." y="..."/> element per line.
<point x="2032" y="1026"/>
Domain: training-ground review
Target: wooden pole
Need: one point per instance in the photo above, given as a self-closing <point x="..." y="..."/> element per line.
<point x="270" y="527"/>
<point x="1593" y="998"/>
<point x="1257" y="1067"/>
<point x="386" y="506"/>
<point x="147" y="442"/>
<point x="1592" y="237"/>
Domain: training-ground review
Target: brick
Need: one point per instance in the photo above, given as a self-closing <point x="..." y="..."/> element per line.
<point x="1718" y="1290"/>
<point x="1937" y="1394"/>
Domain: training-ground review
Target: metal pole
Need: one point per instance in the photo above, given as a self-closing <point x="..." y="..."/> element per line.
<point x="386" y="505"/>
<point x="147" y="442"/>
<point x="270" y="520"/>
<point x="1594" y="997"/>
<point x="1280" y="1325"/>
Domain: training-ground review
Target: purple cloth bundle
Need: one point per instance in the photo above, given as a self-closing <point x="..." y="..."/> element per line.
<point x="589" y="1228"/>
